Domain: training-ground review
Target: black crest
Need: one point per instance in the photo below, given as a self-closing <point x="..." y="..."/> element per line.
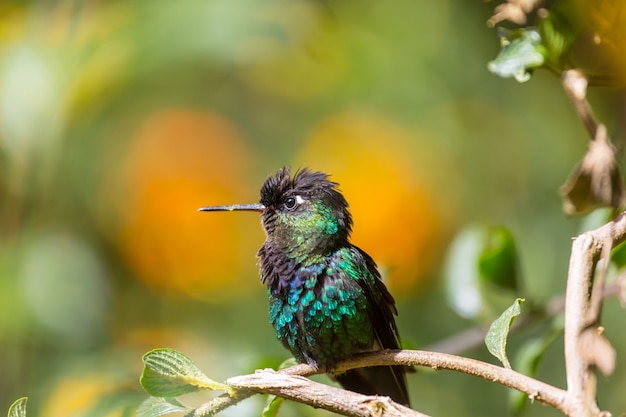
<point x="309" y="185"/>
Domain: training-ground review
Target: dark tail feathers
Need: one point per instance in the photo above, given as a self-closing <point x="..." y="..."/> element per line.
<point x="389" y="381"/>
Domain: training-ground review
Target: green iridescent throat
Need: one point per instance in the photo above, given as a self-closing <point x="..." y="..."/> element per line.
<point x="309" y="235"/>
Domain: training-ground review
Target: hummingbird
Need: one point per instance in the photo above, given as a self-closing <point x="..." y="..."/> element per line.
<point x="327" y="301"/>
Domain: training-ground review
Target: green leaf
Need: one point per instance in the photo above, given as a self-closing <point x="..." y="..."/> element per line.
<point x="522" y="52"/>
<point x="618" y="257"/>
<point x="548" y="45"/>
<point x="272" y="406"/>
<point x="168" y="373"/>
<point x="156" y="407"/>
<point x="499" y="332"/>
<point x="18" y="408"/>
<point x="558" y="33"/>
<point x="498" y="262"/>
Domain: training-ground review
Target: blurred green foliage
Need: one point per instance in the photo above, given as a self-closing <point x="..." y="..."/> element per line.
<point x="119" y="119"/>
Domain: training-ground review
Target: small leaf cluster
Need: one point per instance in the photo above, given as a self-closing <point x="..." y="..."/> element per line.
<point x="548" y="45"/>
<point x="168" y="374"/>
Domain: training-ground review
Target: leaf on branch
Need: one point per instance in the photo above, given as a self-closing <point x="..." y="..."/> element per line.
<point x="618" y="258"/>
<point x="272" y="406"/>
<point x="521" y="53"/>
<point x="557" y="37"/>
<point x="156" y="407"/>
<point x="596" y="181"/>
<point x="499" y="332"/>
<point x="168" y="373"/>
<point x="18" y="408"/>
<point x="548" y="45"/>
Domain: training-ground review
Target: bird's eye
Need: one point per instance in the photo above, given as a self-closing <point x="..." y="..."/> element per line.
<point x="290" y="203"/>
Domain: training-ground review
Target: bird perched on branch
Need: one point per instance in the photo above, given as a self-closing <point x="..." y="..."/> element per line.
<point x="326" y="299"/>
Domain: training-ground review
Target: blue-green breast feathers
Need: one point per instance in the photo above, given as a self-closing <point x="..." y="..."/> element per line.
<point x="320" y="312"/>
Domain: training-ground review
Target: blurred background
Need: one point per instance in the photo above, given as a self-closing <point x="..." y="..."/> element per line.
<point x="119" y="119"/>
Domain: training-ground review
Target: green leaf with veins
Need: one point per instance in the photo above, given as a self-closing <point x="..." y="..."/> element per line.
<point x="498" y="333"/>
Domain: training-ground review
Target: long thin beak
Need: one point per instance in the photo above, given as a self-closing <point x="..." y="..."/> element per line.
<point x="240" y="207"/>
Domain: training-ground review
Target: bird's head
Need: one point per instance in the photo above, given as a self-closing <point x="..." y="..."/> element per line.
<point x="304" y="214"/>
<point x="304" y="211"/>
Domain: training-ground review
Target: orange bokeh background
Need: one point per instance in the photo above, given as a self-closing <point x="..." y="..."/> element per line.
<point x="178" y="161"/>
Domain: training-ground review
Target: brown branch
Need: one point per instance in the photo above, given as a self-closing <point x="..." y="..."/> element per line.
<point x="536" y="390"/>
<point x="289" y="383"/>
<point x="315" y="394"/>
<point x="579" y="365"/>
<point x="581" y="380"/>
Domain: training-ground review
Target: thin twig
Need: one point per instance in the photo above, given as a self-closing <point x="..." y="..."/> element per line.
<point x="575" y="85"/>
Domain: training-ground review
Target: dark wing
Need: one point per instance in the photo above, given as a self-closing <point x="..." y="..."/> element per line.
<point x="384" y="312"/>
<point x="380" y="380"/>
